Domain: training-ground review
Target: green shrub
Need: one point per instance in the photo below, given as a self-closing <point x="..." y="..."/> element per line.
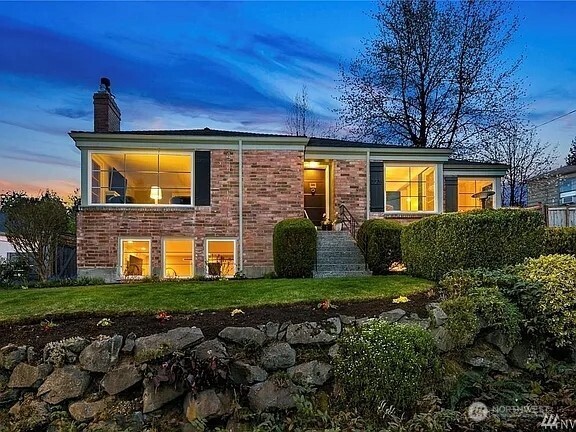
<point x="294" y="246"/>
<point x="550" y="300"/>
<point x="485" y="238"/>
<point x="496" y="312"/>
<point x="459" y="282"/>
<point x="379" y="240"/>
<point x="462" y="324"/>
<point x="382" y="363"/>
<point x="560" y="241"/>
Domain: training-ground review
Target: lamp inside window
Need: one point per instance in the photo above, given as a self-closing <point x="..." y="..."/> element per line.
<point x="155" y="193"/>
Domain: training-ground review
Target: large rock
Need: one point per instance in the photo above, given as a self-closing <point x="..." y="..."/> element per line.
<point x="24" y="375"/>
<point x="155" y="398"/>
<point x="11" y="355"/>
<point x="101" y="355"/>
<point x="158" y="345"/>
<point x="121" y="378"/>
<point x="245" y="374"/>
<point x="207" y="405"/>
<point x="484" y="355"/>
<point x="64" y="383"/>
<point x="272" y="394"/>
<point x="500" y="341"/>
<point x="278" y="356"/>
<point x="313" y="373"/>
<point x="9" y="396"/>
<point x="393" y="315"/>
<point x="311" y="333"/>
<point x="30" y="414"/>
<point x="243" y="335"/>
<point x="444" y="341"/>
<point x="82" y="411"/>
<point x="209" y="349"/>
<point x="522" y="354"/>
<point x="437" y="314"/>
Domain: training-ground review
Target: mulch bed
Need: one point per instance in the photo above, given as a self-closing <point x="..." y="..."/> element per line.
<point x="32" y="333"/>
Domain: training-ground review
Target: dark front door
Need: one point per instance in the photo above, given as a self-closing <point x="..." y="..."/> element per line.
<point x="315" y="193"/>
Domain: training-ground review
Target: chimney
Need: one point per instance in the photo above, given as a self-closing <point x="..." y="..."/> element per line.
<point x="106" y="112"/>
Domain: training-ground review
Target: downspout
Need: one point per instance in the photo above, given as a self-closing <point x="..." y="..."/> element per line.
<point x="240" y="207"/>
<point x="367" y="184"/>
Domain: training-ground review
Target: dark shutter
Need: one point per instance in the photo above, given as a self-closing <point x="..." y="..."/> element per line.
<point x="377" y="186"/>
<point x="202" y="178"/>
<point x="451" y="194"/>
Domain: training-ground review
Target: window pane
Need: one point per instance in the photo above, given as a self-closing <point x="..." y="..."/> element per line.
<point x="141" y="162"/>
<point x="470" y="186"/>
<point x="175" y="163"/>
<point x="410" y="188"/>
<point x="221" y="257"/>
<point x="178" y="258"/>
<point x="135" y="256"/>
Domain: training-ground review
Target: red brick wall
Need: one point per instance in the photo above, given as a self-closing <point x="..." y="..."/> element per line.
<point x="350" y="186"/>
<point x="273" y="190"/>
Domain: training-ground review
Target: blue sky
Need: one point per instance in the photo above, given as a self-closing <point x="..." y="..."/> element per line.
<point x="230" y="65"/>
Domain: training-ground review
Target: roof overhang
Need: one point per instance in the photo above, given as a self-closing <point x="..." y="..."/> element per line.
<point x="475" y="170"/>
<point x="379" y="153"/>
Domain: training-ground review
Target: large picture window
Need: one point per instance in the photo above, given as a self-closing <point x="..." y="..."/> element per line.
<point x="141" y="178"/>
<point x="220" y="257"/>
<point x="409" y="188"/>
<point x="470" y="186"/>
<point x="135" y="257"/>
<point x="178" y="258"/>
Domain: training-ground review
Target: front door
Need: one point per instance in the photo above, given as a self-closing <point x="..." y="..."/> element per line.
<point x="315" y="193"/>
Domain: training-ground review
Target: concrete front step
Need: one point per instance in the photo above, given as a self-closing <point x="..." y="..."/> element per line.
<point x="340" y="259"/>
<point x="340" y="267"/>
<point x="340" y="274"/>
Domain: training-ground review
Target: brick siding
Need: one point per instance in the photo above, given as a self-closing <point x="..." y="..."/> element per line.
<point x="350" y="186"/>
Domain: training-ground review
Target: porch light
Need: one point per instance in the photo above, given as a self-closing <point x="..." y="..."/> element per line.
<point x="483" y="196"/>
<point x="156" y="193"/>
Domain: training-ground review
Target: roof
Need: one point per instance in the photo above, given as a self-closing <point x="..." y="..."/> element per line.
<point x="476" y="163"/>
<point x="192" y="132"/>
<point x="329" y="142"/>
<point x="565" y="170"/>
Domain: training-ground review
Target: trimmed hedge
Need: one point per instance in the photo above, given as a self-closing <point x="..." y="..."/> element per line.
<point x="379" y="241"/>
<point x="560" y="241"/>
<point x="294" y="245"/>
<point x="492" y="239"/>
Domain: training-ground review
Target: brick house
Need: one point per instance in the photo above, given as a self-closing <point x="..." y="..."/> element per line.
<point x="180" y="203"/>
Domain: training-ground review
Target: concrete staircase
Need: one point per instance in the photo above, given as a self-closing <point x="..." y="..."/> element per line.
<point x="338" y="256"/>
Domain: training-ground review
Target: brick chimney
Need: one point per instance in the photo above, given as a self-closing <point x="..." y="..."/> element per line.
<point x="106" y="112"/>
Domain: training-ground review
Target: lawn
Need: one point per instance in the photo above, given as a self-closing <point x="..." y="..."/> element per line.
<point x="192" y="296"/>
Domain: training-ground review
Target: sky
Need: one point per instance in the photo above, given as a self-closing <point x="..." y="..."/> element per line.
<point x="227" y="65"/>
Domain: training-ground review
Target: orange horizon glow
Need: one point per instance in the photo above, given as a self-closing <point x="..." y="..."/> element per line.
<point x="64" y="189"/>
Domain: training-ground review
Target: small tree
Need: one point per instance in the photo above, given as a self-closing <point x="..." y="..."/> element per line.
<point x="571" y="158"/>
<point x="301" y="121"/>
<point x="34" y="227"/>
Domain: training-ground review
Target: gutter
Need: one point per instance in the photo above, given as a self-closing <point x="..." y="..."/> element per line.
<point x="240" y="207"/>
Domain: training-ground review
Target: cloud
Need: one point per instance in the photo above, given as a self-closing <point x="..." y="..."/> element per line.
<point x="38" y="157"/>
<point x="72" y="113"/>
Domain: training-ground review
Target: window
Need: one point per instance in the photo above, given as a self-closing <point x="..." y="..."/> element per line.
<point x="220" y="257"/>
<point x="141" y="178"/>
<point x="409" y="188"/>
<point x="470" y="186"/>
<point x="567" y="185"/>
<point x="135" y="257"/>
<point x="178" y="258"/>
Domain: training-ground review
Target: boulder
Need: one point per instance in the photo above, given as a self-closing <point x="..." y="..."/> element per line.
<point x="437" y="315"/>
<point x="82" y="411"/>
<point x="129" y="343"/>
<point x="271" y="330"/>
<point x="11" y="355"/>
<point x="272" y="394"/>
<point x="333" y="351"/>
<point x="333" y="325"/>
<point x="158" y="345"/>
<point x="245" y="374"/>
<point x="121" y="378"/>
<point x="278" y="356"/>
<point x="522" y="354"/>
<point x="243" y="335"/>
<point x="211" y="348"/>
<point x="282" y="330"/>
<point x="101" y="355"/>
<point x="207" y="405"/>
<point x="30" y="414"/>
<point x="484" y="355"/>
<point x="500" y="341"/>
<point x="313" y="373"/>
<point x="443" y="339"/>
<point x="154" y="398"/>
<point x="310" y="333"/>
<point x="360" y="322"/>
<point x="64" y="383"/>
<point x="393" y="315"/>
<point x="347" y="320"/>
<point x="24" y="375"/>
<point x="9" y="396"/>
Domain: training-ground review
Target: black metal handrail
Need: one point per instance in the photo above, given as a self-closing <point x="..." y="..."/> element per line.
<point x="348" y="220"/>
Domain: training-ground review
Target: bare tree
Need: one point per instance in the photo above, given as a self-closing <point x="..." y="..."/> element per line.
<point x="434" y="76"/>
<point x="571" y="158"/>
<point x="301" y="121"/>
<point x="516" y="145"/>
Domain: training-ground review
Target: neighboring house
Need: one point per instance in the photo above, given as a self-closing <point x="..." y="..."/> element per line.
<point x="180" y="203"/>
<point x="5" y="247"/>
<point x="553" y="188"/>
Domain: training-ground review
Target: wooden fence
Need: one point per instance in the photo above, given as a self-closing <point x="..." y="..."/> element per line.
<point x="560" y="216"/>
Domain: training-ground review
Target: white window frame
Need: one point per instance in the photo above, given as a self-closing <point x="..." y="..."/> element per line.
<point x="477" y="178"/>
<point x="438" y="186"/>
<point x="193" y="260"/>
<point x="220" y="239"/>
<point x="88" y="177"/>
<point x="121" y="253"/>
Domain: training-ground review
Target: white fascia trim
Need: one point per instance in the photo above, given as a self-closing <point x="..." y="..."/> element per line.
<point x="476" y="172"/>
<point x="184" y="142"/>
<point x="395" y="154"/>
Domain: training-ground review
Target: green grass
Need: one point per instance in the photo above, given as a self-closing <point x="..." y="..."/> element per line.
<point x="190" y="296"/>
